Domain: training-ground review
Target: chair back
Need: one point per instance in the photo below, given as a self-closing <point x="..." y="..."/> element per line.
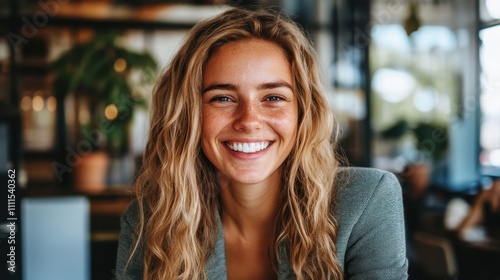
<point x="435" y="255"/>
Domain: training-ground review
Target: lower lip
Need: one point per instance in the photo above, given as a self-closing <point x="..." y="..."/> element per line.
<point x="247" y="156"/>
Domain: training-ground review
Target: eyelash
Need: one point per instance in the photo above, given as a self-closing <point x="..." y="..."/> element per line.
<point x="275" y="97"/>
<point x="271" y="98"/>
<point x="220" y="98"/>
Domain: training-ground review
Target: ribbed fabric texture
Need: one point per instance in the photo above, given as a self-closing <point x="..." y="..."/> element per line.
<point x="370" y="241"/>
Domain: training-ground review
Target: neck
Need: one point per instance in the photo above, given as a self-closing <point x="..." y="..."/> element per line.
<point x="250" y="209"/>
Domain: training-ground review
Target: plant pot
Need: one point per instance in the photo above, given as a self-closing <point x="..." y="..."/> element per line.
<point x="90" y="174"/>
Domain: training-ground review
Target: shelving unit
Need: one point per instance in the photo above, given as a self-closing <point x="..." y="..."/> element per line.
<point x="79" y="18"/>
<point x="76" y="19"/>
<point x="10" y="123"/>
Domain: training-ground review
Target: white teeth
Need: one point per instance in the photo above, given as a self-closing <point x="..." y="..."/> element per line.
<point x="248" y="147"/>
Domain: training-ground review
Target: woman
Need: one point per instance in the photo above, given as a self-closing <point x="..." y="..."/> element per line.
<point x="240" y="178"/>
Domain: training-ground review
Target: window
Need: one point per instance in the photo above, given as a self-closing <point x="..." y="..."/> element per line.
<point x="489" y="59"/>
<point x="415" y="81"/>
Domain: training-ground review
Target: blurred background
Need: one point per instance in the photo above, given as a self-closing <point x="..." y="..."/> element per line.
<point x="415" y="85"/>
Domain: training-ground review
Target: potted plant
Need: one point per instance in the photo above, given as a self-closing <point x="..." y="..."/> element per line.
<point x="103" y="79"/>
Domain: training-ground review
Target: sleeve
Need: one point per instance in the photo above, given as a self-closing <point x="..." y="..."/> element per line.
<point x="134" y="269"/>
<point x="376" y="246"/>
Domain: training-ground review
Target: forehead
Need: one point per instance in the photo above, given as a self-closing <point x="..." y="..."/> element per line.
<point x="248" y="56"/>
<point x="250" y="46"/>
<point x="247" y="43"/>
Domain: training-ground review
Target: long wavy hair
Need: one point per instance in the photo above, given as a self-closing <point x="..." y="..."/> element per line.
<point x="176" y="190"/>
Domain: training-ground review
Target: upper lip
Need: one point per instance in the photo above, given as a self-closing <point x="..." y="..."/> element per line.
<point x="247" y="141"/>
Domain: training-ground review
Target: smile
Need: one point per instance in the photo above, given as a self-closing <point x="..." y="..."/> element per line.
<point x="248" y="147"/>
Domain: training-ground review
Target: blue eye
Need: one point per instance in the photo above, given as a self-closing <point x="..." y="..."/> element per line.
<point x="220" y="99"/>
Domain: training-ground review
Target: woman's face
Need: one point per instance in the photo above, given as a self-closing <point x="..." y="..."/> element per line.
<point x="250" y="111"/>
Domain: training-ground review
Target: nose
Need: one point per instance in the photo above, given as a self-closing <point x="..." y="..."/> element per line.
<point x="248" y="117"/>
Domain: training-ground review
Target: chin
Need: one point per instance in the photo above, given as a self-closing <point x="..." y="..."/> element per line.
<point x="248" y="180"/>
<point x="252" y="178"/>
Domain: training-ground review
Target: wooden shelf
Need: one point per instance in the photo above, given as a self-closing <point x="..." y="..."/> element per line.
<point x="105" y="16"/>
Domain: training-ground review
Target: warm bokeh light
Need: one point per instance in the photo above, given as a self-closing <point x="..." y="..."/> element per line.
<point x="120" y="65"/>
<point x="51" y="104"/>
<point x="111" y="112"/>
<point x="84" y="116"/>
<point x="26" y="103"/>
<point x="37" y="103"/>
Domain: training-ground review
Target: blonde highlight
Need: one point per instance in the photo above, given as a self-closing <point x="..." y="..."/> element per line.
<point x="176" y="190"/>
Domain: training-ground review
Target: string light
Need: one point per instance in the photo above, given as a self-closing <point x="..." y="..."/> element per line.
<point x="120" y="65"/>
<point x="83" y="116"/>
<point x="37" y="103"/>
<point x="111" y="112"/>
<point x="51" y="104"/>
<point x="26" y="103"/>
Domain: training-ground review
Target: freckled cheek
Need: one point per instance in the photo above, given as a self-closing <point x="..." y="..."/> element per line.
<point x="284" y="122"/>
<point x="212" y="124"/>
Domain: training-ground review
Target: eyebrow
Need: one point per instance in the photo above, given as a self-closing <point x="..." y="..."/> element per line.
<point x="231" y="87"/>
<point x="219" y="86"/>
<point x="273" y="85"/>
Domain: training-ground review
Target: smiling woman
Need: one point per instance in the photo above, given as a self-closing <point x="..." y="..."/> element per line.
<point x="240" y="177"/>
<point x="248" y="103"/>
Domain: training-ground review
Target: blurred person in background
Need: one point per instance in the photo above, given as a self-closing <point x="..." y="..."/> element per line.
<point x="483" y="214"/>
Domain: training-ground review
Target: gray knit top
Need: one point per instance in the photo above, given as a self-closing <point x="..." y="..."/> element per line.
<point x="370" y="238"/>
